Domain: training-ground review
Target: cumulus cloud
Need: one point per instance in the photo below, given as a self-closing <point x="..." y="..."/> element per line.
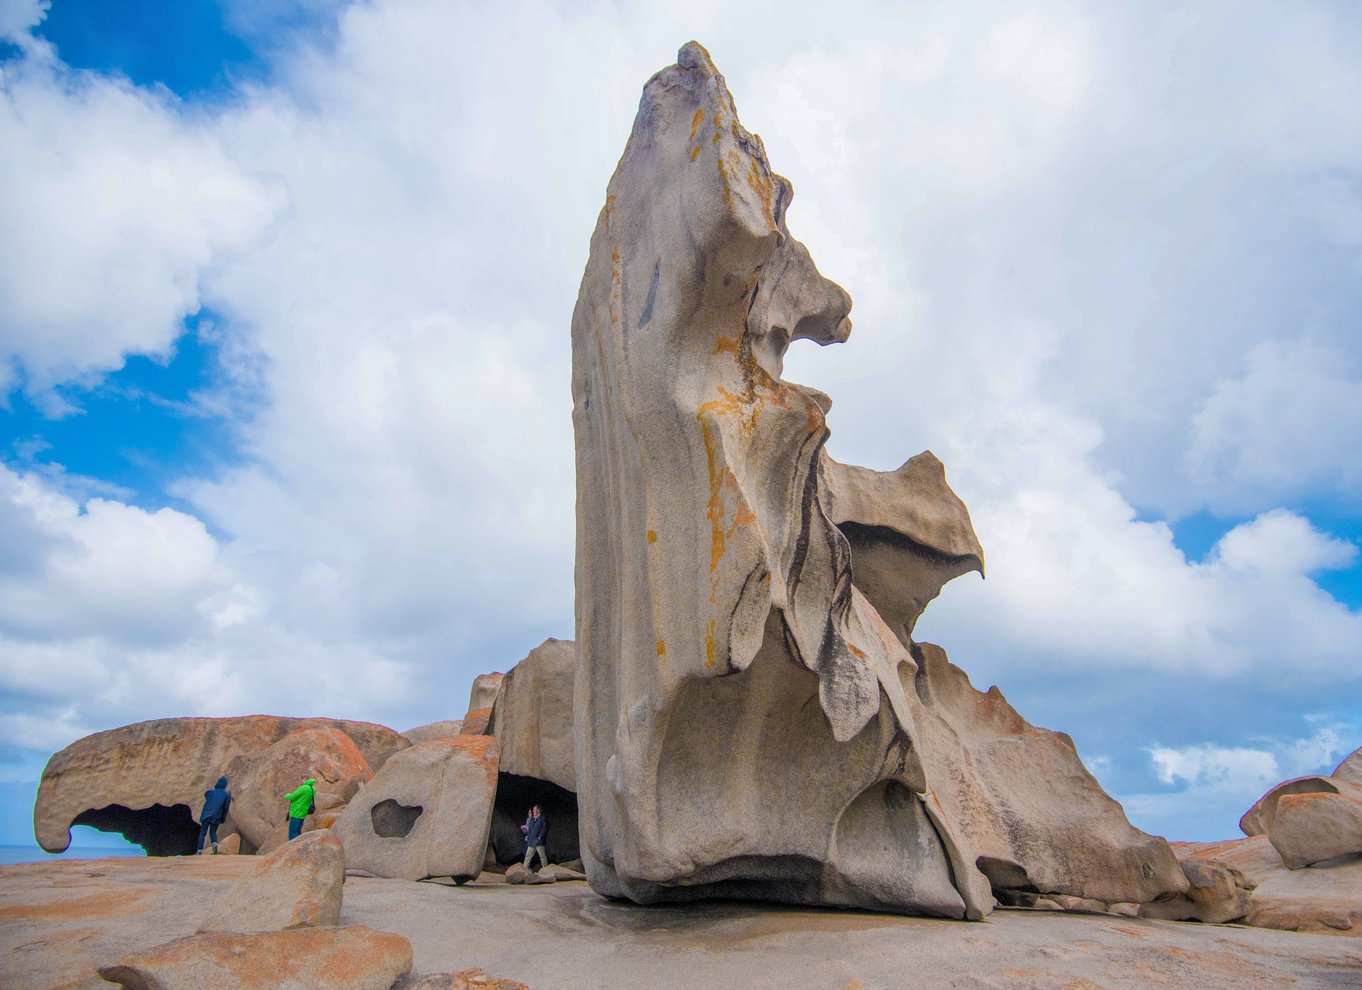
<point x="1254" y="439"/>
<point x="114" y="200"/>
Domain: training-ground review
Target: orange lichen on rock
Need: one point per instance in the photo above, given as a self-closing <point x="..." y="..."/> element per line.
<point x="695" y="123"/>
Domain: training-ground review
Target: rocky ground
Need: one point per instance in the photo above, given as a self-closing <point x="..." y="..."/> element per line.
<point x="60" y="920"/>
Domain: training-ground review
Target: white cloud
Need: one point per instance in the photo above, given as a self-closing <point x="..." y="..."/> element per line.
<point x="102" y="568"/>
<point x="1258" y="436"/>
<point x="114" y="202"/>
<point x="19" y="17"/>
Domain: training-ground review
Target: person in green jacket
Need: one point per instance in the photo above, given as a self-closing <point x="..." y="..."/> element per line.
<point x="300" y="804"/>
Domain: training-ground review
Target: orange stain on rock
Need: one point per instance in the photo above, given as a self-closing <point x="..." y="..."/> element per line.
<point x="695" y="153"/>
<point x="695" y="122"/>
<point x="652" y="536"/>
<point x="661" y="647"/>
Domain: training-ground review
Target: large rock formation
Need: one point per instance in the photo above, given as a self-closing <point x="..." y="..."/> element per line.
<point x="532" y="715"/>
<point x="147" y="780"/>
<point x="532" y="721"/>
<point x="426" y="813"/>
<point x="753" y="717"/>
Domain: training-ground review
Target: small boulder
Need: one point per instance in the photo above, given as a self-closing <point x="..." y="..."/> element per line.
<point x="560" y="873"/>
<point x="350" y="958"/>
<point x="1216" y="893"/>
<point x="518" y="873"/>
<point x="464" y="979"/>
<point x="1315" y="828"/>
<point x="1258" y="819"/>
<point x="298" y="885"/>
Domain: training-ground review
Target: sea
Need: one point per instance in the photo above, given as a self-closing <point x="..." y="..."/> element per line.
<point x="33" y="854"/>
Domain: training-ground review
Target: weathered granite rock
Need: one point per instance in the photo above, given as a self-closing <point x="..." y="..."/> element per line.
<point x="426" y="813"/>
<point x="532" y="716"/>
<point x="475" y="722"/>
<point x="732" y="669"/>
<point x="147" y="780"/>
<point x="1314" y="828"/>
<point x="1217" y="893"/>
<point x="518" y="873"/>
<point x="484" y="691"/>
<point x="351" y="958"/>
<point x="464" y="979"/>
<point x="327" y="754"/>
<point x="435" y="730"/>
<point x="1350" y="770"/>
<point x="1322" y="899"/>
<point x="299" y="885"/>
<point x="1258" y="819"/>
<point x="1034" y="816"/>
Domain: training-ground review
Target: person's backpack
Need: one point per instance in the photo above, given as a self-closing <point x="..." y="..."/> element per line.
<point x="312" y="805"/>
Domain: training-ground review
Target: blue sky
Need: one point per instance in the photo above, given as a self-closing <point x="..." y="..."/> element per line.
<point x="284" y="299"/>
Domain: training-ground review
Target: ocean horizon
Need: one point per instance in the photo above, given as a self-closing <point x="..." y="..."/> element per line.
<point x="35" y="853"/>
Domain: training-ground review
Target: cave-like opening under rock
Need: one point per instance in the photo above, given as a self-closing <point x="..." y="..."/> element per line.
<point x="515" y="796"/>
<point x="161" y="831"/>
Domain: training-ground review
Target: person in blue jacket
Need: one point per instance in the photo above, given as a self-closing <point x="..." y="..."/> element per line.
<point x="536" y="829"/>
<point x="216" y="804"/>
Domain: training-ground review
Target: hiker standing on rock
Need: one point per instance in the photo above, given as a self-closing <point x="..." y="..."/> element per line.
<point x="301" y="803"/>
<point x="215" y="805"/>
<point x="536" y="829"/>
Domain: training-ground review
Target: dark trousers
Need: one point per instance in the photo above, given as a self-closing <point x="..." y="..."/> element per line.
<point x="295" y="828"/>
<point x="209" y="829"/>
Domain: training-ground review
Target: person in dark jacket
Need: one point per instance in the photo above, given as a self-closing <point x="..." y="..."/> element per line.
<point x="536" y="829"/>
<point x="216" y="804"/>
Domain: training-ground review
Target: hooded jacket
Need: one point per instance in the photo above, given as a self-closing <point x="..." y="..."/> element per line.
<point x="301" y="799"/>
<point x="216" y="803"/>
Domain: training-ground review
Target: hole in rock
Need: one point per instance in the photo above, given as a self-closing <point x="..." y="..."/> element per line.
<point x="161" y="831"/>
<point x="515" y="796"/>
<point x="1011" y="886"/>
<point x="392" y="820"/>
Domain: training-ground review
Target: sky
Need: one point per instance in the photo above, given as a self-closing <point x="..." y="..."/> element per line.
<point x="285" y="291"/>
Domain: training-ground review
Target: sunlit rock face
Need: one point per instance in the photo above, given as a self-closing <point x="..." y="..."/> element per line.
<point x="751" y="719"/>
<point x="147" y="780"/>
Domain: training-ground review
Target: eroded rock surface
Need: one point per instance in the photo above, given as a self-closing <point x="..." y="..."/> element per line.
<point x="1325" y="899"/>
<point x="350" y="958"/>
<point x="426" y="813"/>
<point x="435" y="730"/>
<point x="1350" y="770"/>
<point x="299" y="885"/>
<point x="147" y="780"/>
<point x="532" y="716"/>
<point x="753" y="717"/>
<point x="259" y="811"/>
